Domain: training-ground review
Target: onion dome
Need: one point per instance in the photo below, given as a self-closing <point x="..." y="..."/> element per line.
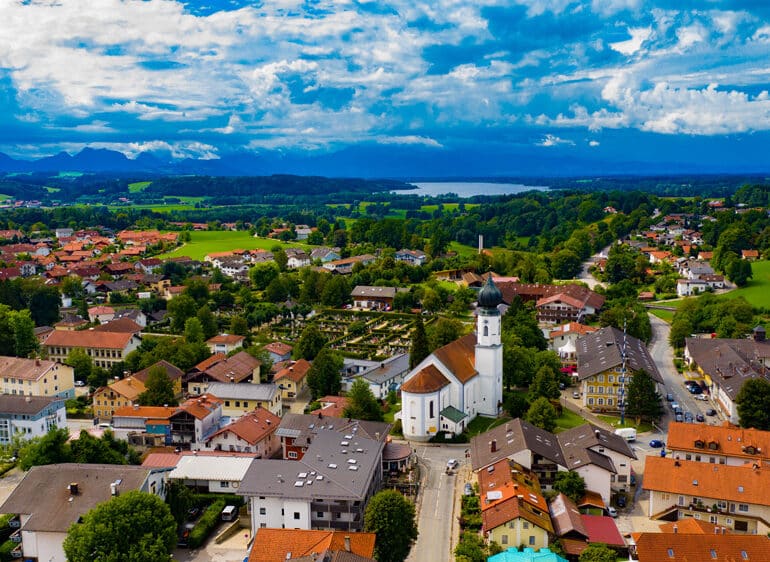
<point x="489" y="295"/>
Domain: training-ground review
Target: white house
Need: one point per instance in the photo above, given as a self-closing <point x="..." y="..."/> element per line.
<point x="459" y="381"/>
<point x="30" y="416"/>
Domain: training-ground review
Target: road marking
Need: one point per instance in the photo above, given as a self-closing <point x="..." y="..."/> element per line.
<point x="438" y="497"/>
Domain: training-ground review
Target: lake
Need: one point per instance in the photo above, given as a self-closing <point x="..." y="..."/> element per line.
<point x="469" y="189"/>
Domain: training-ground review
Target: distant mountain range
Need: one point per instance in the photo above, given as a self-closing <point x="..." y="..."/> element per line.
<point x="384" y="161"/>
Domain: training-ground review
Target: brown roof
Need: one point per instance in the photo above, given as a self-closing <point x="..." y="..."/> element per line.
<point x="201" y="406"/>
<point x="428" y="379"/>
<point x="172" y="371"/>
<point x="239" y="366"/>
<point x="670" y="547"/>
<point x="252" y="427"/>
<point x="274" y="545"/>
<point x="89" y="339"/>
<point x="295" y="372"/>
<point x="529" y="291"/>
<point x="690" y="526"/>
<point x="726" y="439"/>
<point x="572" y="328"/>
<point x="27" y="369"/>
<point x="566" y="517"/>
<point x="279" y="348"/>
<point x="459" y="357"/>
<point x="206" y="363"/>
<point x="120" y="325"/>
<point x="747" y="483"/>
<point x="729" y="362"/>
<point x="226" y="339"/>
<point x="128" y="387"/>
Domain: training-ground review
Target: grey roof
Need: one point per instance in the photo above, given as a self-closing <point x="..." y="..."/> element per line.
<point x="591" y="436"/>
<point x="43" y="492"/>
<point x="242" y="391"/>
<point x="27" y="405"/>
<point x="307" y="425"/>
<point x="367" y="291"/>
<point x="334" y="466"/>
<point x="388" y="369"/>
<point x="601" y="350"/>
<point x="511" y="438"/>
<point x="729" y="362"/>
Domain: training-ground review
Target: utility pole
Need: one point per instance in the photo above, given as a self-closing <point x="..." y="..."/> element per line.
<point x="623" y="378"/>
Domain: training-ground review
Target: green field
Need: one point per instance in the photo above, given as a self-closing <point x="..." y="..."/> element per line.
<point x="462" y="249"/>
<point x="156" y="208"/>
<point x="3" y="196"/>
<point x="757" y="292"/>
<point x="138" y="186"/>
<point x="665" y="315"/>
<point x="210" y="241"/>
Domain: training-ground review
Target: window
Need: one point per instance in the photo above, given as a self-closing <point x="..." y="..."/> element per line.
<point x="296" y="515"/>
<point x="262" y="525"/>
<point x="319" y="514"/>
<point x="743" y="507"/>
<point x="237" y="403"/>
<point x="713" y="553"/>
<point x="430" y="407"/>
<point x="224" y="484"/>
<point x="227" y="403"/>
<point x="525" y="525"/>
<point x="292" y="454"/>
<point x="531" y="540"/>
<point x="504" y="539"/>
<point x="263" y="511"/>
<point x="609" y="401"/>
<point x="610" y="378"/>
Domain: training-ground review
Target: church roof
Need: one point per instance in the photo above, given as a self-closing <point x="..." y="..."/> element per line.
<point x="459" y="357"/>
<point x="428" y="379"/>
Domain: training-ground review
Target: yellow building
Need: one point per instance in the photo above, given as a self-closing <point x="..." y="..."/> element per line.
<point x="117" y="395"/>
<point x="602" y="373"/>
<point x="513" y="511"/>
<point x="36" y="377"/>
<point x="292" y="379"/>
<point x="105" y="348"/>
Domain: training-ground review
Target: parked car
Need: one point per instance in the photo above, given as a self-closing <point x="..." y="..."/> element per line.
<point x="193" y="513"/>
<point x="711" y="412"/>
<point x="452" y="464"/>
<point x="621" y="500"/>
<point x="688" y="417"/>
<point x="669" y="397"/>
<point x="80" y="383"/>
<point x="701" y="397"/>
<point x="612" y="512"/>
<point x="699" y="417"/>
<point x="468" y="489"/>
<point x="657" y="444"/>
<point x="576" y="394"/>
<point x="695" y="389"/>
<point x="674" y="406"/>
<point x="679" y="418"/>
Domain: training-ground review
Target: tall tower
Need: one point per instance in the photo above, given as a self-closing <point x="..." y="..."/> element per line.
<point x="489" y="349"/>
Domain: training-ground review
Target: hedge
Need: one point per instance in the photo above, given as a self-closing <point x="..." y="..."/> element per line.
<point x="206" y="523"/>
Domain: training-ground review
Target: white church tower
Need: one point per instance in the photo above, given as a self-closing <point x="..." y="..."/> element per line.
<point x="489" y="350"/>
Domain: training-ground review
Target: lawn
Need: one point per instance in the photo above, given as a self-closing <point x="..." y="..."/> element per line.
<point x="138" y="186"/>
<point x="665" y="315"/>
<point x="614" y="421"/>
<point x="480" y="424"/>
<point x="156" y="208"/>
<point x="208" y="241"/>
<point x="462" y="249"/>
<point x="568" y="420"/>
<point x="757" y="292"/>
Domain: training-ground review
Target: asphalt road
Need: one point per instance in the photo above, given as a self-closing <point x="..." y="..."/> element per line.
<point x="437" y="504"/>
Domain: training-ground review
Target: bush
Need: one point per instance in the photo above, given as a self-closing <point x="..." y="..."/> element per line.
<point x="206" y="524"/>
<point x="5" y="551"/>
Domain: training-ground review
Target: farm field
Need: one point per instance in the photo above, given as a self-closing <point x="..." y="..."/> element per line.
<point x="757" y="292"/>
<point x="156" y="208"/>
<point x="209" y="241"/>
<point x="138" y="186"/>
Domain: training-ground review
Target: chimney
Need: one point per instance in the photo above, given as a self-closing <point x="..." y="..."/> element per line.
<point x="347" y="543"/>
<point x="73" y="487"/>
<point x="28" y="399"/>
<point x="493" y="446"/>
<point x="676" y="528"/>
<point x="113" y="488"/>
<point x="716" y="530"/>
<point x="37" y="362"/>
<point x="481" y="243"/>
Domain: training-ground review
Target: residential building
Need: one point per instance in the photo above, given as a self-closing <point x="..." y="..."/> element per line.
<point x="387" y="376"/>
<point x="51" y="498"/>
<point x="144" y="426"/>
<point x="458" y="381"/>
<point x="374" y="298"/>
<point x="196" y="419"/>
<point x="332" y="406"/>
<point x="729" y="496"/>
<point x="325" y="254"/>
<point x="728" y="363"/>
<point x="682" y="547"/>
<point x="30" y="416"/>
<point x="718" y="444"/>
<point x="211" y="474"/>
<point x="573" y="302"/>
<point x="271" y="545"/>
<point x="253" y="432"/>
<point x="689" y="287"/>
<point x="568" y="525"/>
<point x="345" y="266"/>
<point x="101" y="314"/>
<point x="513" y="511"/>
<point x="225" y="343"/>
<point x="121" y="325"/>
<point x="296" y="258"/>
<point x="278" y="351"/>
<point x="563" y="340"/>
<point x="328" y="488"/>
<point x="292" y="379"/>
<point x="174" y="374"/>
<point x="237" y="368"/>
<point x="240" y="399"/>
<point x="603" y="374"/>
<point x="412" y="257"/>
<point x="37" y="377"/>
<point x="105" y="348"/>
<point x="118" y="394"/>
<point x="603" y="529"/>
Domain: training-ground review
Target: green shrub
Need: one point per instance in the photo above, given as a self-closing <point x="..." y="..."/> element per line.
<point x="5" y="551"/>
<point x="206" y="523"/>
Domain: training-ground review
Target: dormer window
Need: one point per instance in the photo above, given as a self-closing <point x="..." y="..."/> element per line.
<point x="749" y="450"/>
<point x="713" y="445"/>
<point x="700" y="444"/>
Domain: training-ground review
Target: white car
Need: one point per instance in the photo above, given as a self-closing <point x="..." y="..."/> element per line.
<point x="452" y="464"/>
<point x="612" y="512"/>
<point x="701" y="397"/>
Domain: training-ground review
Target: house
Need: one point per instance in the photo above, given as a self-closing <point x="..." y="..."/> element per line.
<point x="726" y="364"/>
<point x="292" y="379"/>
<point x="149" y="265"/>
<point x="325" y="254"/>
<point x="253" y="432"/>
<point x="374" y="298"/>
<point x="329" y="487"/>
<point x="568" y="525"/>
<point x="387" y="376"/>
<point x="602" y="372"/>
<point x="105" y="348"/>
<point x="689" y="287"/>
<point x="513" y="554"/>
<point x="726" y="495"/>
<point x="278" y="351"/>
<point x="296" y="258"/>
<point x="119" y="325"/>
<point x="718" y="444"/>
<point x="271" y="545"/>
<point x="684" y="547"/>
<point x="63" y="232"/>
<point x="412" y="257"/>
<point x="603" y="529"/>
<point x="195" y="420"/>
<point x="750" y="254"/>
<point x="563" y="340"/>
<point x="239" y="399"/>
<point x="570" y="295"/>
<point x="458" y="381"/>
<point x="144" y="426"/>
<point x="30" y="416"/>
<point x="345" y="266"/>
<point x="175" y="375"/>
<point x="37" y="377"/>
<point x="513" y="511"/>
<point x="332" y="406"/>
<point x="237" y="368"/>
<point x="210" y="474"/>
<point x="70" y="321"/>
<point x="101" y="314"/>
<point x="118" y="394"/>
<point x="132" y="314"/>
<point x="51" y="498"/>
<point x="225" y="343"/>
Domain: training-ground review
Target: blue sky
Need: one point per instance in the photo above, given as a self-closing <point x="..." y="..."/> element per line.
<point x="595" y="80"/>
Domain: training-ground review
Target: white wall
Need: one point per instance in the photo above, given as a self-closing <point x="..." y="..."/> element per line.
<point x="273" y="518"/>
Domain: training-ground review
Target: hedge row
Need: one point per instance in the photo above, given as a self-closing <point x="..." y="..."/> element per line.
<point x="206" y="523"/>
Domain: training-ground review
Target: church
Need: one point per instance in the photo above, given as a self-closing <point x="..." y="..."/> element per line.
<point x="459" y="381"/>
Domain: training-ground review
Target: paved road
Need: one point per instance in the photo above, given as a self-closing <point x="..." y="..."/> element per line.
<point x="437" y="505"/>
<point x="585" y="276"/>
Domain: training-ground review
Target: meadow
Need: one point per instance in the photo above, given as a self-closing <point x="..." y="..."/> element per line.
<point x="757" y="292"/>
<point x="208" y="241"/>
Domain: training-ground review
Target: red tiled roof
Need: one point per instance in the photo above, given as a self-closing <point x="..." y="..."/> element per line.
<point x="273" y="545"/>
<point x="459" y="357"/>
<point x="146" y="412"/>
<point x="428" y="379"/>
<point x="295" y="372"/>
<point x="670" y="547"/>
<point x="226" y="339"/>
<point x="279" y="348"/>
<point x="602" y="529"/>
<point x="89" y="339"/>
<point x="252" y="427"/>
<point x="214" y="359"/>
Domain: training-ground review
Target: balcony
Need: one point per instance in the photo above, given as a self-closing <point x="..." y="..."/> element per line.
<point x="17" y="552"/>
<point x="15" y="522"/>
<point x="16" y="537"/>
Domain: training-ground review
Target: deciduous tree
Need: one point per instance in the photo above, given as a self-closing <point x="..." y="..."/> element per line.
<point x="753" y="400"/>
<point x="324" y="376"/>
<point x="362" y="405"/>
<point x="159" y="389"/>
<point x="392" y="517"/>
<point x="310" y="343"/>
<point x="420" y="347"/>
<point x="571" y="484"/>
<point x="542" y="414"/>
